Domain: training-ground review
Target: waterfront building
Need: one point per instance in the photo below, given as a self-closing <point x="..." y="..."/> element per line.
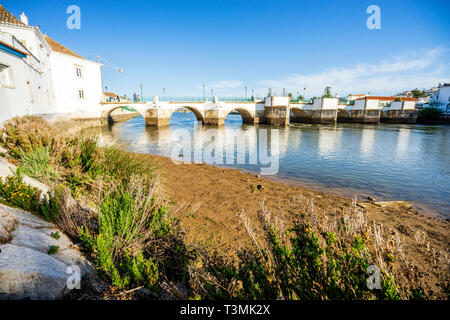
<point x="41" y="76"/>
<point x="26" y="84"/>
<point x="77" y="82"/>
<point x="385" y="101"/>
<point x="441" y="97"/>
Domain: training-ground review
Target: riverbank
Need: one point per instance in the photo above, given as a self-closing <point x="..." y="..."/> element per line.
<point x="239" y="237"/>
<point x="221" y="194"/>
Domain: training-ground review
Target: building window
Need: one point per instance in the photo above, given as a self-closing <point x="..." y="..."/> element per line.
<point x="6" y="77"/>
<point x="79" y="71"/>
<point x="80" y="93"/>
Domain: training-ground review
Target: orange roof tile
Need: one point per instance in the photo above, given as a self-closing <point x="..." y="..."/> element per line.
<point x="110" y="94"/>
<point x="7" y="17"/>
<point x="60" y="48"/>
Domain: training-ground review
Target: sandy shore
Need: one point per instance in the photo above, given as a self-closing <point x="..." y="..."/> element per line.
<point x="221" y="193"/>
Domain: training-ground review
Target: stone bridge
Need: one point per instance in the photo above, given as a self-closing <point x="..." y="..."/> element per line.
<point x="277" y="111"/>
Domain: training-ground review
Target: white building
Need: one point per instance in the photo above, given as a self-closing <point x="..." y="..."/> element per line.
<point x="26" y="84"/>
<point x="23" y="86"/>
<point x="77" y="82"/>
<point x="441" y="98"/>
<point x="40" y="76"/>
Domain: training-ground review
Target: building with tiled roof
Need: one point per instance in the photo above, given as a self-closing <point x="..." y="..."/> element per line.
<point x="60" y="48"/>
<point x="7" y="18"/>
<point x="44" y="76"/>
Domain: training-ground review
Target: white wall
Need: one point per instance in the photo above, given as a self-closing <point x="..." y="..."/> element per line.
<point x="67" y="84"/>
<point x="373" y="105"/>
<point x="30" y="93"/>
<point x="442" y="97"/>
<point x="277" y="101"/>
<point x="317" y="104"/>
<point x="409" y="105"/>
<point x="395" y="105"/>
<point x="329" y="103"/>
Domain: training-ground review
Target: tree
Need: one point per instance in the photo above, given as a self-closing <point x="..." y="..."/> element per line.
<point x="416" y="93"/>
<point x="327" y="93"/>
<point x="300" y="98"/>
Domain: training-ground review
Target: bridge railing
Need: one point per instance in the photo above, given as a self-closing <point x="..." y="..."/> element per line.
<point x="199" y="99"/>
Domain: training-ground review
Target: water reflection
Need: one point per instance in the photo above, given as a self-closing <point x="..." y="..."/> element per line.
<point x="391" y="162"/>
<point x="329" y="141"/>
<point x="367" y="141"/>
<point x="402" y="143"/>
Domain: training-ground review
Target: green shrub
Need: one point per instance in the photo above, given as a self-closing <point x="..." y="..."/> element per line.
<point x="121" y="165"/>
<point x="303" y="268"/>
<point x="36" y="164"/>
<point x="430" y="113"/>
<point x="15" y="192"/>
<point x="128" y="221"/>
<point x="53" y="249"/>
<point x="55" y="235"/>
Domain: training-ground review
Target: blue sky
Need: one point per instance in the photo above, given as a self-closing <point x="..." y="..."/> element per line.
<point x="230" y="44"/>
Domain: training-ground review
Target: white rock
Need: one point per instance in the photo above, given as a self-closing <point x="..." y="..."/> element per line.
<point x="29" y="274"/>
<point x="27" y="271"/>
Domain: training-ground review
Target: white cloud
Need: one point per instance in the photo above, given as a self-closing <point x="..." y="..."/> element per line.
<point x="418" y="69"/>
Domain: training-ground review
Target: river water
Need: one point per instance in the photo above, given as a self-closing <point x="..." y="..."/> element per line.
<point x="385" y="161"/>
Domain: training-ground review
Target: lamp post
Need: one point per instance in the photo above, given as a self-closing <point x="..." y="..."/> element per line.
<point x="203" y="86"/>
<point x="164" y="94"/>
<point x="142" y="97"/>
<point x="212" y="94"/>
<point x="245" y="93"/>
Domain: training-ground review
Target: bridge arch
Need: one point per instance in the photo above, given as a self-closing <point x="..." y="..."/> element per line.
<point x="343" y="114"/>
<point x="107" y="115"/>
<point x="246" y="116"/>
<point x="299" y="115"/>
<point x="198" y="114"/>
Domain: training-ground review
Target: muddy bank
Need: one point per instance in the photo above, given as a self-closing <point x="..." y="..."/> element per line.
<point x="221" y="193"/>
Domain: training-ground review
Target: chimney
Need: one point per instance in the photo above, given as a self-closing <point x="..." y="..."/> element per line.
<point x="24" y="18"/>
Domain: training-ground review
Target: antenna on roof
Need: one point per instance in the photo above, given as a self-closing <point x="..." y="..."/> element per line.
<point x="109" y="65"/>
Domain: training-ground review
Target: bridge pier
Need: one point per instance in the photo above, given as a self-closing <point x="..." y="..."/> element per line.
<point x="277" y="111"/>
<point x="400" y="112"/>
<point x="157" y="117"/>
<point x="363" y="111"/>
<point x="324" y="111"/>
